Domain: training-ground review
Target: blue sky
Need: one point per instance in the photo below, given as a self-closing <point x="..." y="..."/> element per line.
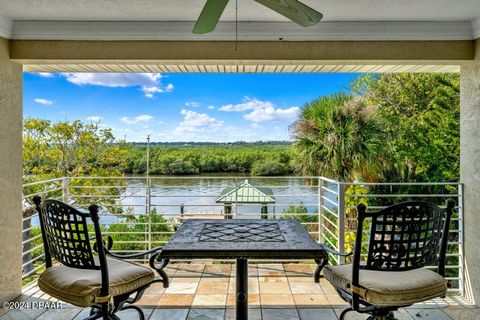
<point x="179" y="107"/>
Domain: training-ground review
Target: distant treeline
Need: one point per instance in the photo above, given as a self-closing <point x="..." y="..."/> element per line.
<point x="202" y="144"/>
<point x="264" y="160"/>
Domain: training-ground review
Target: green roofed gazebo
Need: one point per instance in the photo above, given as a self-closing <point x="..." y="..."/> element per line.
<point x="247" y="193"/>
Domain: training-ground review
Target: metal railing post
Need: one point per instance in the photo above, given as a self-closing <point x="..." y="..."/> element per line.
<point x="236" y="198"/>
<point x="65" y="189"/>
<point x="320" y="210"/>
<point x="341" y="220"/>
<point x="461" y="261"/>
<point x="149" y="211"/>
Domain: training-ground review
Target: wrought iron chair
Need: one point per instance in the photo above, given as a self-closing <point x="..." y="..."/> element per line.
<point x="403" y="239"/>
<point x="103" y="282"/>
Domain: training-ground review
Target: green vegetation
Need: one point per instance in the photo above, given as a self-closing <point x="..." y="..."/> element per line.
<point x="257" y="160"/>
<point x="397" y="127"/>
<point x="339" y="137"/>
<point x="300" y="213"/>
<point x="421" y="117"/>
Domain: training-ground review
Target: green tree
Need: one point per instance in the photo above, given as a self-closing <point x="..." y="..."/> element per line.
<point x="64" y="149"/>
<point x="338" y="136"/>
<point x="269" y="168"/>
<point x="421" y="116"/>
<point x="69" y="149"/>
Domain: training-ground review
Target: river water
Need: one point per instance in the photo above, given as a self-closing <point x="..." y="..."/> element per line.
<point x="198" y="194"/>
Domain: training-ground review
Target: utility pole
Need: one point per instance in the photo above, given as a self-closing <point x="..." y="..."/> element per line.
<point x="148" y="156"/>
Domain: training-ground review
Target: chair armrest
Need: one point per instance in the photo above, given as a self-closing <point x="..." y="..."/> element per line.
<point x="109" y="245"/>
<point x="135" y="255"/>
<point x="335" y="252"/>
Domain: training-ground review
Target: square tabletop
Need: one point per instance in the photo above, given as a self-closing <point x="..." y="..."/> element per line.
<point x="247" y="238"/>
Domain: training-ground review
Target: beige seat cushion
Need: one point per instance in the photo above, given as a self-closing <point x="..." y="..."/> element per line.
<point x="390" y="288"/>
<point x="81" y="287"/>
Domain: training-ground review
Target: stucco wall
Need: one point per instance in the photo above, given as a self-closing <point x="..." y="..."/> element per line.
<point x="10" y="175"/>
<point x="470" y="174"/>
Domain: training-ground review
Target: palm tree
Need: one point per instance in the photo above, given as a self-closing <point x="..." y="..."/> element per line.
<point x="339" y="136"/>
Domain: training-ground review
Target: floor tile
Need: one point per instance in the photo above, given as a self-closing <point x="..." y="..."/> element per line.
<point x="273" y="279"/>
<point x="276" y="300"/>
<point x="316" y="314"/>
<point x="297" y="268"/>
<point x="298" y="278"/>
<point x="318" y="300"/>
<point x="156" y="288"/>
<point x="170" y="314"/>
<point x="335" y="300"/>
<point x="214" y="279"/>
<point x="223" y="269"/>
<point x="212" y="288"/>
<point x="274" y="287"/>
<point x="206" y="314"/>
<point x="60" y="314"/>
<point x="462" y="313"/>
<point x="24" y="314"/>
<point x="182" y="288"/>
<point x="175" y="300"/>
<point x="277" y="314"/>
<point x="186" y="279"/>
<point x="209" y="300"/>
<point x="401" y="314"/>
<point x="305" y="287"/>
<point x="133" y="315"/>
<point x="428" y="314"/>
<point x="253" y="314"/>
<point x="150" y="299"/>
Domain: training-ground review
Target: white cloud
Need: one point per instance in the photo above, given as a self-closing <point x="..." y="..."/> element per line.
<point x="45" y="74"/>
<point x="248" y="104"/>
<point x="43" y="101"/>
<point x="192" y="104"/>
<point x="261" y="110"/>
<point x="137" y="119"/>
<point x="271" y="114"/>
<point x="149" y="82"/>
<point x="95" y="118"/>
<point x="210" y="107"/>
<point x="194" y="121"/>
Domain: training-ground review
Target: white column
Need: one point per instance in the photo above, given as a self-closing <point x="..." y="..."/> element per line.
<point x="10" y="175"/>
<point x="470" y="175"/>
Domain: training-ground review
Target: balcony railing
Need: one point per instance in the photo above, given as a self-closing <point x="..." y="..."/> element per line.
<point x="142" y="212"/>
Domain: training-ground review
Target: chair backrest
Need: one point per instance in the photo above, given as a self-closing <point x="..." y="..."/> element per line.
<point x="407" y="236"/>
<point x="65" y="234"/>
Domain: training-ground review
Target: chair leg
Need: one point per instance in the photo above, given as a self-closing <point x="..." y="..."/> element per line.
<point x="95" y="310"/>
<point x="140" y="311"/>
<point x="383" y="316"/>
<point x="94" y="316"/>
<point x="344" y="313"/>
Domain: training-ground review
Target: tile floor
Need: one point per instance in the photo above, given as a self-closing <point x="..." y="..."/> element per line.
<point x="276" y="291"/>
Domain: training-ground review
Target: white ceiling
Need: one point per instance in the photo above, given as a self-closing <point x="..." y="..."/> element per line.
<point x="188" y="10"/>
<point x="174" y="19"/>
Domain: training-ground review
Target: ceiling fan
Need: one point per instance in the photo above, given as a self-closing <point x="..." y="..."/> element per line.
<point x="291" y="9"/>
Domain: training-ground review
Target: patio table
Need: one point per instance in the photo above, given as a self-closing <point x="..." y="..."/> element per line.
<point x="243" y="239"/>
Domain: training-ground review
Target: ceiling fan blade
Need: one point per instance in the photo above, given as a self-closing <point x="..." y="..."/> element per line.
<point x="294" y="10"/>
<point x="208" y="19"/>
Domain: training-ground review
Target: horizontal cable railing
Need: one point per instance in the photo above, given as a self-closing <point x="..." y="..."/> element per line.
<point x="340" y="224"/>
<point x="143" y="212"/>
